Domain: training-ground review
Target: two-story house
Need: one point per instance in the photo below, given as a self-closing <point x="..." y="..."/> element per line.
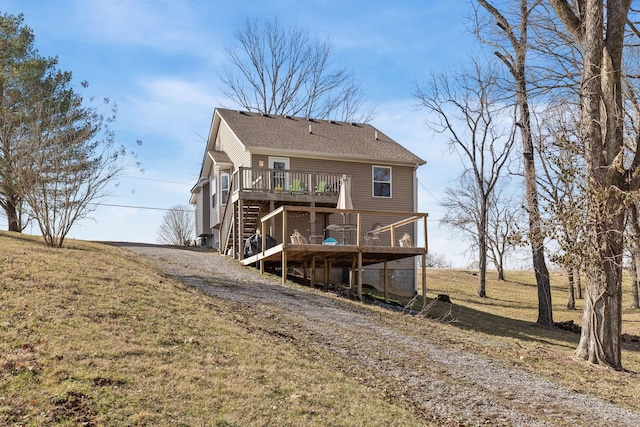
<point x="256" y="163"/>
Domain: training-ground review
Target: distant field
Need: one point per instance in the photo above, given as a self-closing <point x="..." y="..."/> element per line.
<point x="517" y="297"/>
<point x="91" y="335"/>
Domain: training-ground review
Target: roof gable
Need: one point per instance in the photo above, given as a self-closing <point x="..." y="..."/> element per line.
<point x="272" y="133"/>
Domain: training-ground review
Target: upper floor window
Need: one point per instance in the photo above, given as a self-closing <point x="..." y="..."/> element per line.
<point x="381" y="181"/>
<point x="224" y="187"/>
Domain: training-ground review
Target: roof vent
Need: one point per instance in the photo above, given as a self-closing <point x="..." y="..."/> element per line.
<point x="376" y="135"/>
<point x="287" y="117"/>
<point x="309" y="119"/>
<point x="240" y="112"/>
<point x="332" y="121"/>
<point x="264" y="114"/>
<point x="354" y="124"/>
<point x="310" y="129"/>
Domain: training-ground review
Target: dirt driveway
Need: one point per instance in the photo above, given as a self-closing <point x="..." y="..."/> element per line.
<point x="452" y="387"/>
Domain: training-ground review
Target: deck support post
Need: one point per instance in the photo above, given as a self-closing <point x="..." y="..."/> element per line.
<point x="304" y="272"/>
<point x="272" y="221"/>
<point x="284" y="266"/>
<point x="386" y="280"/>
<point x="424" y="279"/>
<point x="352" y="278"/>
<point x="312" y="223"/>
<point x="360" y="275"/>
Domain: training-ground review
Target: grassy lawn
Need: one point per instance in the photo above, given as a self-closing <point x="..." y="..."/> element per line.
<point x="503" y="327"/>
<point x="90" y="335"/>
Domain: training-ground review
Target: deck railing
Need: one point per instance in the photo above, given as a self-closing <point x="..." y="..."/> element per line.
<point x="286" y="181"/>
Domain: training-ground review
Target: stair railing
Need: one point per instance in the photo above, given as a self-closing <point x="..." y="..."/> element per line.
<point x="226" y="225"/>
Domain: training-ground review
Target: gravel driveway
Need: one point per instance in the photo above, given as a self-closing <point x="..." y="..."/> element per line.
<point x="454" y="387"/>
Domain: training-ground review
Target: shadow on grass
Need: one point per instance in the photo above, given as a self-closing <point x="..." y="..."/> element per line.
<point x="467" y="318"/>
<point x="31" y="239"/>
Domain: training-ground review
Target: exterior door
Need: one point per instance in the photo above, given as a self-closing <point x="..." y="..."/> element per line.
<point x="280" y="178"/>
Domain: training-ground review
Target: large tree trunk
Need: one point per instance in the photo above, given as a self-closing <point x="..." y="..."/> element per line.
<point x="571" y="304"/>
<point x="602" y="132"/>
<point x="602" y="318"/>
<point x="12" y="213"/>
<point x="482" y="249"/>
<point x="545" y="310"/>
<point x="501" y="272"/>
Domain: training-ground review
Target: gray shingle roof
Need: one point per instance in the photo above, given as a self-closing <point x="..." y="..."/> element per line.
<point x="219" y="156"/>
<point x="327" y="138"/>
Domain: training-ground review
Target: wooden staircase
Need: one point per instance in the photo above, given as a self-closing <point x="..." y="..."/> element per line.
<point x="250" y="216"/>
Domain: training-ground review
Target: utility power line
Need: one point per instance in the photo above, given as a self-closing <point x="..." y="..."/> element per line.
<point x="140" y="207"/>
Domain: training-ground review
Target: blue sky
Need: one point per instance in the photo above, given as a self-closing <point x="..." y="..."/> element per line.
<point x="160" y="60"/>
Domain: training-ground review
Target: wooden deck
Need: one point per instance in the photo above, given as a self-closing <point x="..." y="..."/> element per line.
<point x="310" y="256"/>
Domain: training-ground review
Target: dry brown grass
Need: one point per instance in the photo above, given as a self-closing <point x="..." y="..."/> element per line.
<point x="502" y="326"/>
<point x="89" y="335"/>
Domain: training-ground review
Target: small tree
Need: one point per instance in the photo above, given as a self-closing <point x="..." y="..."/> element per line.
<point x="463" y="213"/>
<point x="504" y="231"/>
<point x="468" y="108"/>
<point x="435" y="260"/>
<point x="276" y="69"/>
<point x="177" y="226"/>
<point x="69" y="159"/>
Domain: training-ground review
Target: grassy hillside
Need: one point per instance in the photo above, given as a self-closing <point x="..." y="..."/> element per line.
<point x="89" y="336"/>
<point x="92" y="335"/>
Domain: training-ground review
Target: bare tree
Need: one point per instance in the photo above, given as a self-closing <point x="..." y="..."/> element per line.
<point x="463" y="203"/>
<point x="468" y="108"/>
<point x="177" y="226"/>
<point x="512" y="51"/>
<point x="563" y="188"/>
<point x="69" y="160"/>
<point x="599" y="30"/>
<point x="435" y="260"/>
<point x="504" y="227"/>
<point x="276" y="69"/>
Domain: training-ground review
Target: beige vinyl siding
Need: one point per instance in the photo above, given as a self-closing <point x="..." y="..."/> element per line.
<point x="229" y="143"/>
<point x="202" y="211"/>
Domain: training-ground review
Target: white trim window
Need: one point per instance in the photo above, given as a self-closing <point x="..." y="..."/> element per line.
<point x="381" y="177"/>
<point x="224" y="188"/>
<point x="214" y="192"/>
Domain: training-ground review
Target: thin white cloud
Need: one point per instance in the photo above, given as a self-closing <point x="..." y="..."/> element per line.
<point x="176" y="108"/>
<point x="164" y="25"/>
